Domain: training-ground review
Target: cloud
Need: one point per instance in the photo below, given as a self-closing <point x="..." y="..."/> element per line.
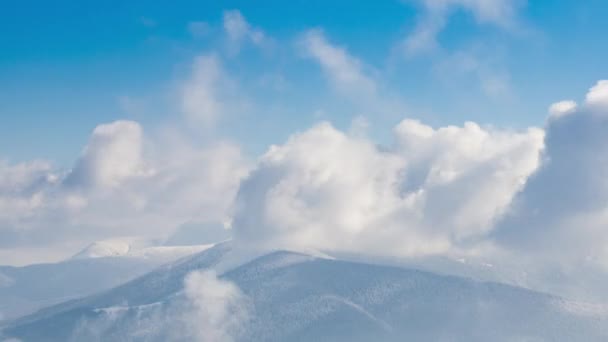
<point x="201" y="100"/>
<point x="21" y="190"/>
<point x="431" y="192"/>
<point x="210" y="95"/>
<point x="533" y="203"/>
<point x="458" y="68"/>
<point x="344" y="71"/>
<point x="124" y="184"/>
<point x="424" y="37"/>
<point x="500" y="13"/>
<point x="208" y="309"/>
<point x="556" y="225"/>
<point x="112" y="155"/>
<point x="562" y="108"/>
<point x="568" y="196"/>
<point x="350" y="78"/>
<point x="239" y="32"/>
<point x="218" y="310"/>
<point x="129" y="183"/>
<point x="597" y="96"/>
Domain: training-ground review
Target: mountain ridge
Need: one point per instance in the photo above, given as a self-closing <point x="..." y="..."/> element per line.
<point x="296" y="297"/>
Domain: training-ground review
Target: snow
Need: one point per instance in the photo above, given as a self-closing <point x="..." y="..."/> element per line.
<point x="108" y="248"/>
<point x="101" y="266"/>
<point x="298" y="297"/>
<point x="582" y="308"/>
<point x="137" y="248"/>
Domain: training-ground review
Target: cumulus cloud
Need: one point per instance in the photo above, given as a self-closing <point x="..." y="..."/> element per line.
<point x="112" y="155"/>
<point x="239" y="32"/>
<point x="122" y="185"/>
<point x="598" y="95"/>
<point x="500" y="13"/>
<point x="557" y="224"/>
<point x="129" y="183"/>
<point x="218" y="310"/>
<point x="532" y="203"/>
<point x="568" y="196"/>
<point x="21" y="193"/>
<point x="431" y="192"/>
<point x="562" y="108"/>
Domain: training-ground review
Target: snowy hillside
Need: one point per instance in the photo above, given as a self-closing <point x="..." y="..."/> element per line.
<point x="100" y="266"/>
<point x="286" y="296"/>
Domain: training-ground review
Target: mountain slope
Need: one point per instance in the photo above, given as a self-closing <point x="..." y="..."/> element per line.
<point x="295" y="297"/>
<point x="328" y="300"/>
<point x="29" y="288"/>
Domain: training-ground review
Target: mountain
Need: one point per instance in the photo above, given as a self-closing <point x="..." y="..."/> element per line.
<point x="285" y="296"/>
<point x="100" y="266"/>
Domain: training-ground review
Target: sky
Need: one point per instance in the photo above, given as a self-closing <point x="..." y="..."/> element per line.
<point x="466" y="129"/>
<point x="66" y="66"/>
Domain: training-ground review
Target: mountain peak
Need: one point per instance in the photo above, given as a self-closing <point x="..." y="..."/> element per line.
<point x="105" y="248"/>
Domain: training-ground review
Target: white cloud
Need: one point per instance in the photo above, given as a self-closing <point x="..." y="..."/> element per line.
<point x="112" y="155"/>
<point x="457" y="68"/>
<point x="200" y="96"/>
<point x="500" y="13"/>
<point x="20" y="187"/>
<point x="424" y="37"/>
<point x="434" y="189"/>
<point x="470" y="173"/>
<point x="208" y="308"/>
<point x="598" y="95"/>
<point x="210" y="95"/>
<point x="120" y="186"/>
<point x="571" y="182"/>
<point x="239" y="31"/>
<point x="351" y="79"/>
<point x="127" y="183"/>
<point x="218" y="308"/>
<point x="15" y="178"/>
<point x="344" y="71"/>
<point x="559" y="219"/>
<point x="562" y="108"/>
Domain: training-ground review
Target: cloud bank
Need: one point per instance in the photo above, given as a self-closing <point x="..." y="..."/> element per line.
<point x="433" y="191"/>
<point x="122" y="185"/>
<point x="532" y="204"/>
<point x="562" y="211"/>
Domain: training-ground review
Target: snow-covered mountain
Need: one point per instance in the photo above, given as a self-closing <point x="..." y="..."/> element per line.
<point x="285" y="296"/>
<point x="100" y="266"/>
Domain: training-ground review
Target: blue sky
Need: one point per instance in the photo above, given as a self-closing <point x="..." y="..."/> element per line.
<point x="68" y="66"/>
